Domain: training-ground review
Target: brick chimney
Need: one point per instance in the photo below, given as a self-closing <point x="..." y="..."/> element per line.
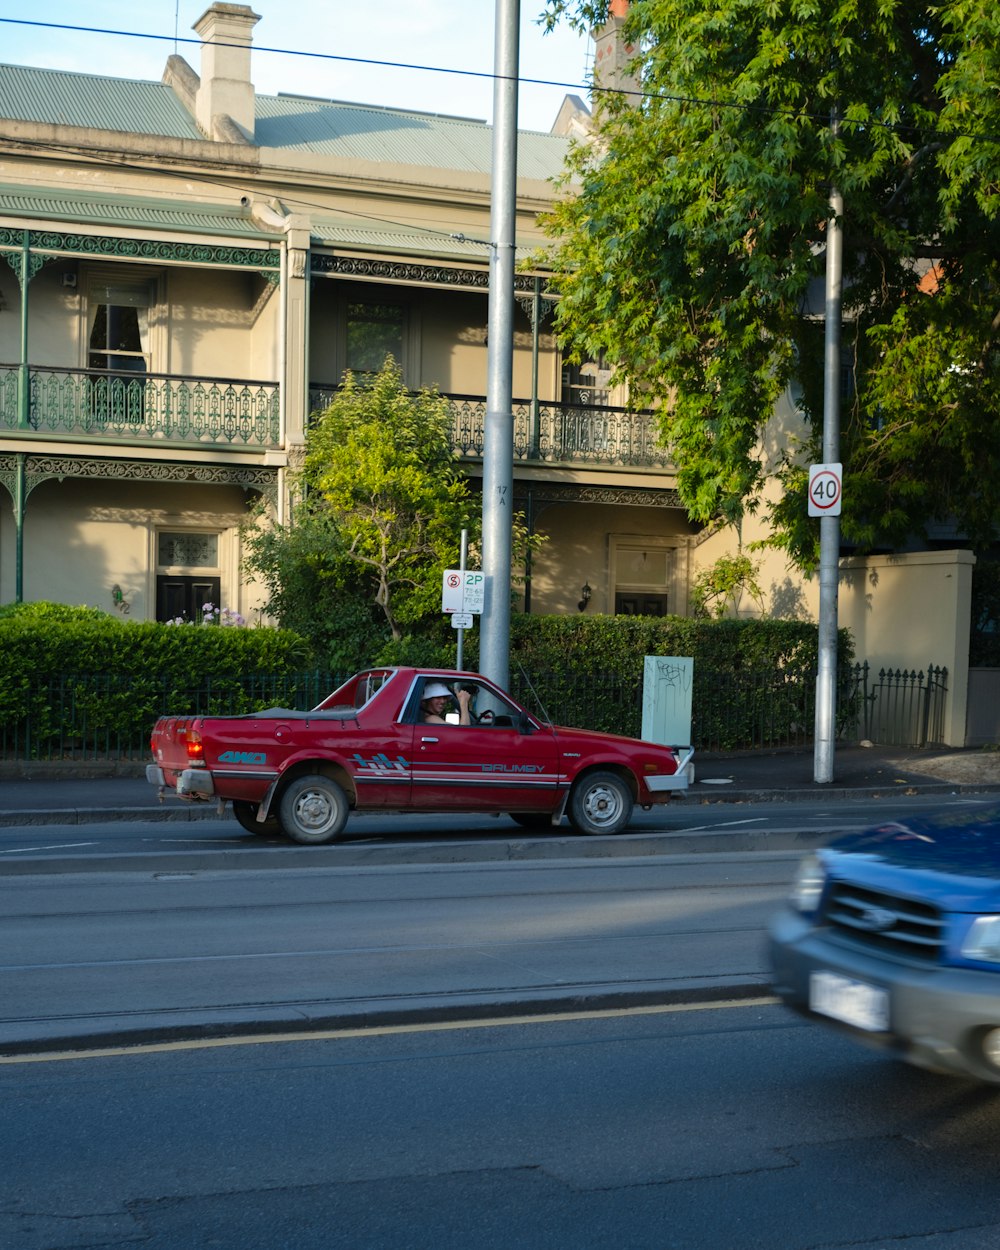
<point x="225" y="90"/>
<point x="612" y="56"/>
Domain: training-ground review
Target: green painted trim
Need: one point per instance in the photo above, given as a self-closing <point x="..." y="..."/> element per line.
<point x="11" y="239"/>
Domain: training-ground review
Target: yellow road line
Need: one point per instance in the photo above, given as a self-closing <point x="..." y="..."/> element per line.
<point x="329" y="1035"/>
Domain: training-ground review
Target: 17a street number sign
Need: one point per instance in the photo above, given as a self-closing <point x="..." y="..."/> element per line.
<point x="826" y="482"/>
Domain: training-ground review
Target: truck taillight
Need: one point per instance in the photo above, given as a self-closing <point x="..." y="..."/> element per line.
<point x="195" y="748"/>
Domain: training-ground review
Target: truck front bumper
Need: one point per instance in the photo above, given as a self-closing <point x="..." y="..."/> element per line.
<point x="664" y="783"/>
<point x="938" y="1017"/>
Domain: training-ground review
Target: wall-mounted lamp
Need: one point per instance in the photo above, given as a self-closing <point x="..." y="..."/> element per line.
<point x="586" y="592"/>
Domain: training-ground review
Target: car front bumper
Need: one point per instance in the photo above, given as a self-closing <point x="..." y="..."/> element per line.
<point x="938" y="1017"/>
<point x="666" y="783"/>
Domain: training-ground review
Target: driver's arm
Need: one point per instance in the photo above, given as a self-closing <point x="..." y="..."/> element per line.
<point x="463" y="698"/>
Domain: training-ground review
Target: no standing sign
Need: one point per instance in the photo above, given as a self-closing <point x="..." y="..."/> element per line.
<point x="825" y="489"/>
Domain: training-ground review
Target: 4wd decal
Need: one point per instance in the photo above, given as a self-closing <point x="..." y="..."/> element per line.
<point x="242" y="757"/>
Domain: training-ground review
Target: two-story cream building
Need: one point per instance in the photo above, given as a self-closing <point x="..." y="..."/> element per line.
<point x="186" y="270"/>
<point x="187" y="267"/>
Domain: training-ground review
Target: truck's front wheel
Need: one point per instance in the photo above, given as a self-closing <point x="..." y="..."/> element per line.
<point x="600" y="802"/>
<point x="313" y="810"/>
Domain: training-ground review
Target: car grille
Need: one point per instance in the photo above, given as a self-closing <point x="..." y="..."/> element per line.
<point x="885" y="922"/>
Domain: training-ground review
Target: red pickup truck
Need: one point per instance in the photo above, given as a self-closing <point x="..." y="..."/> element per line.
<point x="369" y="745"/>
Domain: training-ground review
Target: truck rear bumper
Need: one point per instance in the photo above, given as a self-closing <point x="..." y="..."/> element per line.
<point x="194" y="784"/>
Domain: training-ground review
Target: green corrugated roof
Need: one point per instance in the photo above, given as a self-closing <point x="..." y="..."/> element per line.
<point x="173" y="215"/>
<point x="335" y="128"/>
<point x="284" y="122"/>
<point x="65" y="99"/>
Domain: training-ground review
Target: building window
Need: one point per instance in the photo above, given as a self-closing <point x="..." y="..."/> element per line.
<point x="586" y="384"/>
<point x="643" y="577"/>
<point x="187" y="574"/>
<point x="118" y="351"/>
<point x="375" y="331"/>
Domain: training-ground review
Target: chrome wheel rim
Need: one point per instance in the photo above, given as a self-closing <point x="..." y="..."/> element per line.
<point x="603" y="805"/>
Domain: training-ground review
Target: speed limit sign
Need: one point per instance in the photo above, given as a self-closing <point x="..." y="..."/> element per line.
<point x="825" y="489"/>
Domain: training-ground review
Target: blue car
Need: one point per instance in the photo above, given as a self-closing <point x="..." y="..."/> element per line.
<point x="894" y="935"/>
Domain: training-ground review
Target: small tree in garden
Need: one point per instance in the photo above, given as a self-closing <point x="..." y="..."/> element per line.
<point x="381" y="514"/>
<point x="380" y="458"/>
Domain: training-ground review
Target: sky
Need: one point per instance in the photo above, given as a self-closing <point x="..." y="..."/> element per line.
<point x="442" y="34"/>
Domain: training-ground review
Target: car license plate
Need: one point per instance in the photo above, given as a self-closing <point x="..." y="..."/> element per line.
<point x="853" y="1002"/>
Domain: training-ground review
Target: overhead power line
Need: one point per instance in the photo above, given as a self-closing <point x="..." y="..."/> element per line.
<point x="821" y="116"/>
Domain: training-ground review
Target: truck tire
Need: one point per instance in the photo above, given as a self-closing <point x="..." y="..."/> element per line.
<point x="313" y="810"/>
<point x="600" y="802"/>
<point x="245" y="813"/>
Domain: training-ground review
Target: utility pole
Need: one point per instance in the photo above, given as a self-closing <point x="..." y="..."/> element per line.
<point x="829" y="526"/>
<point x="498" y="432"/>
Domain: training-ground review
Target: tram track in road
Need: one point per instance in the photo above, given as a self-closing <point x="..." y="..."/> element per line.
<point x="305" y="1018"/>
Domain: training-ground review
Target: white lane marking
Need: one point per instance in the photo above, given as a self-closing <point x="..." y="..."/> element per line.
<point x="387" y="1030"/>
<point x="56" y="846"/>
<point x="723" y="824"/>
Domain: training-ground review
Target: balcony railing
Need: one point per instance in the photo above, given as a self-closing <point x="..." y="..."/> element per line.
<point x="141" y="407"/>
<point x="570" y="434"/>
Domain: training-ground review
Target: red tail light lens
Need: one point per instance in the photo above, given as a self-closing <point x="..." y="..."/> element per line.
<point x="195" y="749"/>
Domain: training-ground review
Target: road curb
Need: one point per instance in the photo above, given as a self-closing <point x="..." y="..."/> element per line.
<point x="270" y="1022"/>
<point x="29" y="817"/>
<point x="695" y="797"/>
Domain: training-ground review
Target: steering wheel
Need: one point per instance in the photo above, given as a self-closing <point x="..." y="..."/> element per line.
<point x="485" y="717"/>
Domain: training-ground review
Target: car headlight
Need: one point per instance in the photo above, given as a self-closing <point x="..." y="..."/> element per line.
<point x="808" y="884"/>
<point x="983" y="940"/>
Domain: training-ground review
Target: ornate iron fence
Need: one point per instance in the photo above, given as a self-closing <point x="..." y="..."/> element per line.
<point x="551" y="433"/>
<point x="138" y="407"/>
<point x="900" y="707"/>
<point x="101" y="717"/>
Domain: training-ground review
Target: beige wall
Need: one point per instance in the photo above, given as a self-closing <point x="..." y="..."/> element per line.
<point x="219" y="324"/>
<point x="446" y="345"/>
<point x="81" y="538"/>
<point x="911" y="611"/>
<point x="585" y="545"/>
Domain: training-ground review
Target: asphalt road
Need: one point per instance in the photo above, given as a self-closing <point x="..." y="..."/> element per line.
<point x="86" y="958"/>
<point x="738" y="1127"/>
<point x="393" y="838"/>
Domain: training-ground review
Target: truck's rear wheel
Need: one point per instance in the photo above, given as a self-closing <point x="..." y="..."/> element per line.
<point x="246" y="813"/>
<point x="313" y="810"/>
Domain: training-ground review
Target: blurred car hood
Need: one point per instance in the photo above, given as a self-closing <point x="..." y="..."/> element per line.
<point x="953" y="860"/>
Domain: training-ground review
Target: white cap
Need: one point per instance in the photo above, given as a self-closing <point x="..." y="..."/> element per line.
<point x="435" y="690"/>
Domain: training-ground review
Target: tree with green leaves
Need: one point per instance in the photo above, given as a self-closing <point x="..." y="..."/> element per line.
<point x="689" y="246"/>
<point x="381" y="460"/>
<point x="379" y="516"/>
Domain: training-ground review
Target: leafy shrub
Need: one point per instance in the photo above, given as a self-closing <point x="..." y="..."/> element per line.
<point x="69" y="671"/>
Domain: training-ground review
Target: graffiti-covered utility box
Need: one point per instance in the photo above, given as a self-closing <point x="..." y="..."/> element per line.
<point x="666" y="699"/>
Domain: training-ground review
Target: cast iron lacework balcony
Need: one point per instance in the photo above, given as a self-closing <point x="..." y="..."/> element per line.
<point x="552" y="433"/>
<point x="139" y="407"/>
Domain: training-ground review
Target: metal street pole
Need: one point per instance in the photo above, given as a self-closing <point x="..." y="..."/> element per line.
<point x="829" y="526"/>
<point x="498" y="433"/>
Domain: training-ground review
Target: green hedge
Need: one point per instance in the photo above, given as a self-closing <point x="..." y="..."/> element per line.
<point x="64" y="668"/>
<point x="72" y="675"/>
<point x="754" y="680"/>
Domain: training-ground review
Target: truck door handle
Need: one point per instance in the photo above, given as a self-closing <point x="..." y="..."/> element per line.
<point x="428" y="739"/>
